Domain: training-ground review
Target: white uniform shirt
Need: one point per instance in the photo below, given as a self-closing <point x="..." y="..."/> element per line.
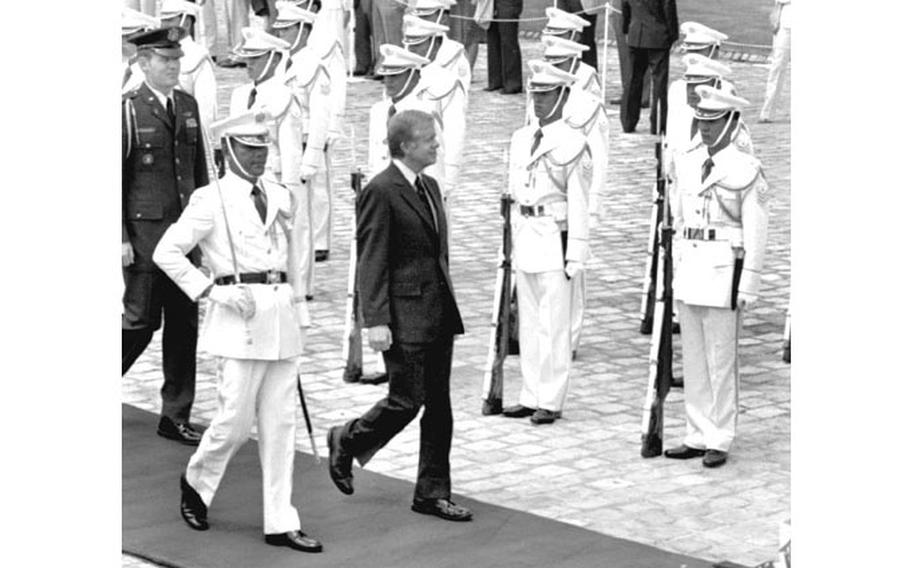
<point x="312" y="88"/>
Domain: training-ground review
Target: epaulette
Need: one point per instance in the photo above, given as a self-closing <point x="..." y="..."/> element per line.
<point x="437" y="83"/>
<point x="131" y="94"/>
<point x="449" y="50"/>
<point x="561" y="145"/>
<point x="739" y="170"/>
<point x="583" y="111"/>
<point x="305" y="70"/>
<point x="584" y="75"/>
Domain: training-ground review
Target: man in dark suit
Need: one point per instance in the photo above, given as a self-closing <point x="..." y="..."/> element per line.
<point x="410" y="313"/>
<point x="163" y="162"/>
<point x="650" y="28"/>
<point x="503" y="51"/>
<point x="625" y="58"/>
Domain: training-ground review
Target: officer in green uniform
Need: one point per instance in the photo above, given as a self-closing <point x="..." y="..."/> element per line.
<point x="163" y="162"/>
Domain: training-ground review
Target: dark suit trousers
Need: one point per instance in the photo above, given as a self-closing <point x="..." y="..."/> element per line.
<point x="503" y="52"/>
<point x="363" y="46"/>
<point x="625" y="59"/>
<point x="418" y="376"/>
<point x="643" y="59"/>
<point x="146" y="296"/>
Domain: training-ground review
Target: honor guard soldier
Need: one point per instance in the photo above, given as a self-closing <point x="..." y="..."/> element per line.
<point x="721" y="225"/>
<point x="163" y="163"/>
<point x="133" y="22"/>
<point x="549" y="177"/>
<point x="427" y="39"/>
<point x="435" y="91"/>
<point x="253" y="324"/>
<point x="446" y="52"/>
<point x="700" y="39"/>
<point x="566" y="55"/>
<point x="197" y="70"/>
<point x="321" y="41"/>
<point x="307" y="72"/>
<point x="266" y="59"/>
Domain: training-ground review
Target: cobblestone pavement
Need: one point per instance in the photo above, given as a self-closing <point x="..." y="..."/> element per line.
<point x="584" y="469"/>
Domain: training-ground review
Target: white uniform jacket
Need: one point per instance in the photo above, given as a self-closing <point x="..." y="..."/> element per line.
<point x="286" y="144"/>
<point x="451" y="57"/>
<point x="586" y="113"/>
<point x="312" y="88"/>
<point x="586" y="79"/>
<point x="197" y="77"/>
<point x="331" y="54"/>
<point x="274" y="331"/>
<point x="717" y="220"/>
<point x="554" y="179"/>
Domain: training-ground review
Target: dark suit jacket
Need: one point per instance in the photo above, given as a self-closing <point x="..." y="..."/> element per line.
<point x="162" y="165"/>
<point x="650" y="23"/>
<point x="403" y="263"/>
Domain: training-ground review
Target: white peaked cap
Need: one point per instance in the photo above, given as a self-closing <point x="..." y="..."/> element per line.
<point x="414" y="27"/>
<point x="395" y="59"/>
<point x="562" y="20"/>
<point x="700" y="34"/>
<point x="134" y="20"/>
<point x="249" y="127"/>
<point x="561" y="47"/>
<point x="257" y="42"/>
<point x="545" y="76"/>
<point x="715" y="102"/>
<point x="701" y="66"/>
<point x="290" y="14"/>
<point x="171" y="8"/>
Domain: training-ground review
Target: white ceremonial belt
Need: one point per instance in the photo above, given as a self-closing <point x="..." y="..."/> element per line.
<point x="734" y="234"/>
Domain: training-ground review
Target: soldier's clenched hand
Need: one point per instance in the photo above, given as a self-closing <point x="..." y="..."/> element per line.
<point x="237" y="297"/>
<point x="380" y="337"/>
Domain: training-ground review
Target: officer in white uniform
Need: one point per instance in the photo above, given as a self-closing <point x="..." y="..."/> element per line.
<point x="721" y="226"/>
<point x="549" y="176"/>
<point x="131" y="22"/>
<point x="681" y="129"/>
<point x="241" y="224"/>
<point x="562" y="50"/>
<point x="427" y="39"/>
<point x="446" y="52"/>
<point x="197" y="70"/>
<point x="409" y="84"/>
<point x="309" y="74"/>
<point x="266" y="57"/>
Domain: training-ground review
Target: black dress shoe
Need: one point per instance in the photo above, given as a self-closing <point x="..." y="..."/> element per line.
<point x="179" y="431"/>
<point x="339" y="462"/>
<point x="683" y="452"/>
<point x="298" y="540"/>
<point x="192" y="509"/>
<point x="321" y="255"/>
<point x="442" y="508"/>
<point x="714" y="458"/>
<point x="359" y="72"/>
<point x="517" y="411"/>
<point x="492" y="88"/>
<point x="676" y="383"/>
<point x="544" y="416"/>
<point x="628" y="130"/>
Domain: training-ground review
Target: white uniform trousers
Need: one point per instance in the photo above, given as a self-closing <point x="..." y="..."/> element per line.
<point x="711" y="371"/>
<point x="579" y="298"/>
<point x="780" y="60"/>
<point x="302" y="232"/>
<point x="543" y="335"/>
<point x="251" y="389"/>
<point x="322" y="207"/>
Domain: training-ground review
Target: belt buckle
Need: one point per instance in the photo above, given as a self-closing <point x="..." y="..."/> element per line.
<point x="272" y="277"/>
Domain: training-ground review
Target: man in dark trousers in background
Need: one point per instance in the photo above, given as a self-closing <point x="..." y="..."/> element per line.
<point x="651" y="27"/>
<point x="503" y="51"/>
<point x="625" y="59"/>
<point x="163" y="163"/>
<point x="410" y="314"/>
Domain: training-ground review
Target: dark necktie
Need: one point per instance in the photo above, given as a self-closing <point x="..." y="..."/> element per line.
<point x="170" y="110"/>
<point x="392" y="110"/>
<point x="538" y="136"/>
<point x="252" y="99"/>
<point x="422" y="193"/>
<point x="259" y="201"/>
<point x="706" y="169"/>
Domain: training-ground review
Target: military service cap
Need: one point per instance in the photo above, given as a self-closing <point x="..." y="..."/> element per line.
<point x="716" y="102"/>
<point x="132" y="21"/>
<point x="560" y="20"/>
<point x="425" y="7"/>
<point x="416" y="30"/>
<point x="257" y="42"/>
<point x="545" y="77"/>
<point x="290" y="14"/>
<point x="561" y="47"/>
<point x="395" y="59"/>
<point x="699" y="36"/>
<point x="701" y="69"/>
<point x="163" y="41"/>
<point x="248" y="127"/>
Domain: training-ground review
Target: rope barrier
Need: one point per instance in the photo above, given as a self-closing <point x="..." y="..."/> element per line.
<point x="605" y="7"/>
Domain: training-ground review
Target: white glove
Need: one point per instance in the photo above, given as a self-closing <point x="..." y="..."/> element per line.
<point x="573" y="268"/>
<point x="745" y="301"/>
<point x="236" y="297"/>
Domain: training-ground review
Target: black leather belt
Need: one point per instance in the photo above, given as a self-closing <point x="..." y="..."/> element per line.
<point x="532" y="210"/>
<point x="324" y="148"/>
<point x="700" y="234"/>
<point x="273" y="277"/>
